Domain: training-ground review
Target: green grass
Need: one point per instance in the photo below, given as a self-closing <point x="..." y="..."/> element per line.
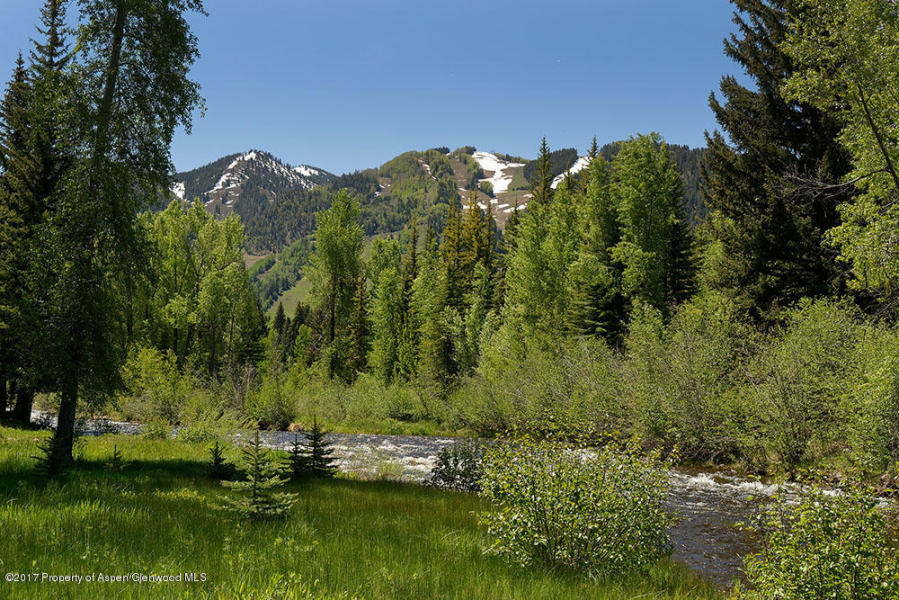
<point x="300" y="292"/>
<point x="343" y="539"/>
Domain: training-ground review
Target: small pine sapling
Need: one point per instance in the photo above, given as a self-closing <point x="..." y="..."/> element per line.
<point x="116" y="463"/>
<point x="219" y="467"/>
<point x="257" y="498"/>
<point x="299" y="459"/>
<point x="50" y="462"/>
<point x="320" y="452"/>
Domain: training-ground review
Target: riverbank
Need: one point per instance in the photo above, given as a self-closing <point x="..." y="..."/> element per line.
<point x="344" y="538"/>
<point x="707" y="503"/>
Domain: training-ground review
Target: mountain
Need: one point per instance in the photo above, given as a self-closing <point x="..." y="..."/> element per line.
<point x="237" y="179"/>
<point x="255" y="185"/>
<point x="277" y="202"/>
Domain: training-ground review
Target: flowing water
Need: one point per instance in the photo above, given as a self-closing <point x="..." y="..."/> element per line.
<point x="708" y="504"/>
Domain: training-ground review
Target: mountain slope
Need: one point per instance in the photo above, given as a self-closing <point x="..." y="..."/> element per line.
<point x="236" y="179"/>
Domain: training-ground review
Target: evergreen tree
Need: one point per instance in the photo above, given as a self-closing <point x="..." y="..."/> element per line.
<point x="654" y="239"/>
<point x="319" y="452"/>
<point x="541" y="187"/>
<point x="257" y="497"/>
<point x="219" y="467"/>
<point x="299" y="460"/>
<point x="51" y="149"/>
<point x="15" y="168"/>
<point x="451" y="256"/>
<point x="279" y="322"/>
<point x="387" y="324"/>
<point x="472" y="241"/>
<point x="767" y="223"/>
<point x="426" y="312"/>
<point x="410" y="261"/>
<point x="359" y="329"/>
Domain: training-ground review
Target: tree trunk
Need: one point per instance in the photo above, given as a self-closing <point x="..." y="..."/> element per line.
<point x="64" y="437"/>
<point x="3" y="396"/>
<point x="24" y="403"/>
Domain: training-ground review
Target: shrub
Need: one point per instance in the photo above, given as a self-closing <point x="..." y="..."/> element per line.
<point x="273" y="404"/>
<point x="833" y="546"/>
<point x="156" y="430"/>
<point x="678" y="378"/>
<point x="600" y="513"/>
<point x="197" y="433"/>
<point x="796" y="378"/>
<point x="541" y="384"/>
<point x="459" y="467"/>
<point x="154" y="388"/>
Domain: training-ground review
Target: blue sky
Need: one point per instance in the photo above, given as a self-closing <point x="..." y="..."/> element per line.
<point x="348" y="84"/>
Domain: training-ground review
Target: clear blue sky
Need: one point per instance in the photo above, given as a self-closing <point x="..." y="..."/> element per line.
<point x="348" y="84"/>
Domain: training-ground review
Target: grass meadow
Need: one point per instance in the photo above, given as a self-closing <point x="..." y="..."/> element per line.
<point x="156" y="514"/>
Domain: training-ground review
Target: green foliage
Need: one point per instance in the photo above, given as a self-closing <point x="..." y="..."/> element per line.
<point x="848" y="58"/>
<point x="828" y="545"/>
<point x="678" y="380"/>
<point x="198" y="300"/>
<point x="116" y="463"/>
<point x="600" y="513"/>
<point x="540" y="383"/>
<point x="795" y="379"/>
<point x="272" y="404"/>
<point x="334" y="271"/>
<point x="654" y="250"/>
<point x="256" y="497"/>
<point x="459" y="467"/>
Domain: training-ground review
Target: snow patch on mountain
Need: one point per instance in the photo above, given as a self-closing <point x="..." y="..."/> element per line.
<point x="307" y="171"/>
<point x="178" y="190"/>
<point x="500" y="179"/>
<point x="579" y="165"/>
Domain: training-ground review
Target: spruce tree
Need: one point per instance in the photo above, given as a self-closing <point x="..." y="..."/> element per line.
<point x="768" y="223"/>
<point x="256" y="497"/>
<point x="299" y="460"/>
<point x="451" y="255"/>
<point x="541" y="187"/>
<point x="359" y="329"/>
<point x="15" y="191"/>
<point x="319" y="452"/>
<point x="472" y="247"/>
<point x="49" y="59"/>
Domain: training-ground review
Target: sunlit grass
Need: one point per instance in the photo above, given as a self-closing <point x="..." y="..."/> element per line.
<point x="344" y="538"/>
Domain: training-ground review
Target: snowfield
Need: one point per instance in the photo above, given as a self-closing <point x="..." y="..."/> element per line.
<point x="579" y="165"/>
<point x="491" y="162"/>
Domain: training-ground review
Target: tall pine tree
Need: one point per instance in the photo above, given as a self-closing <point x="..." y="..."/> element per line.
<point x="766" y="224"/>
